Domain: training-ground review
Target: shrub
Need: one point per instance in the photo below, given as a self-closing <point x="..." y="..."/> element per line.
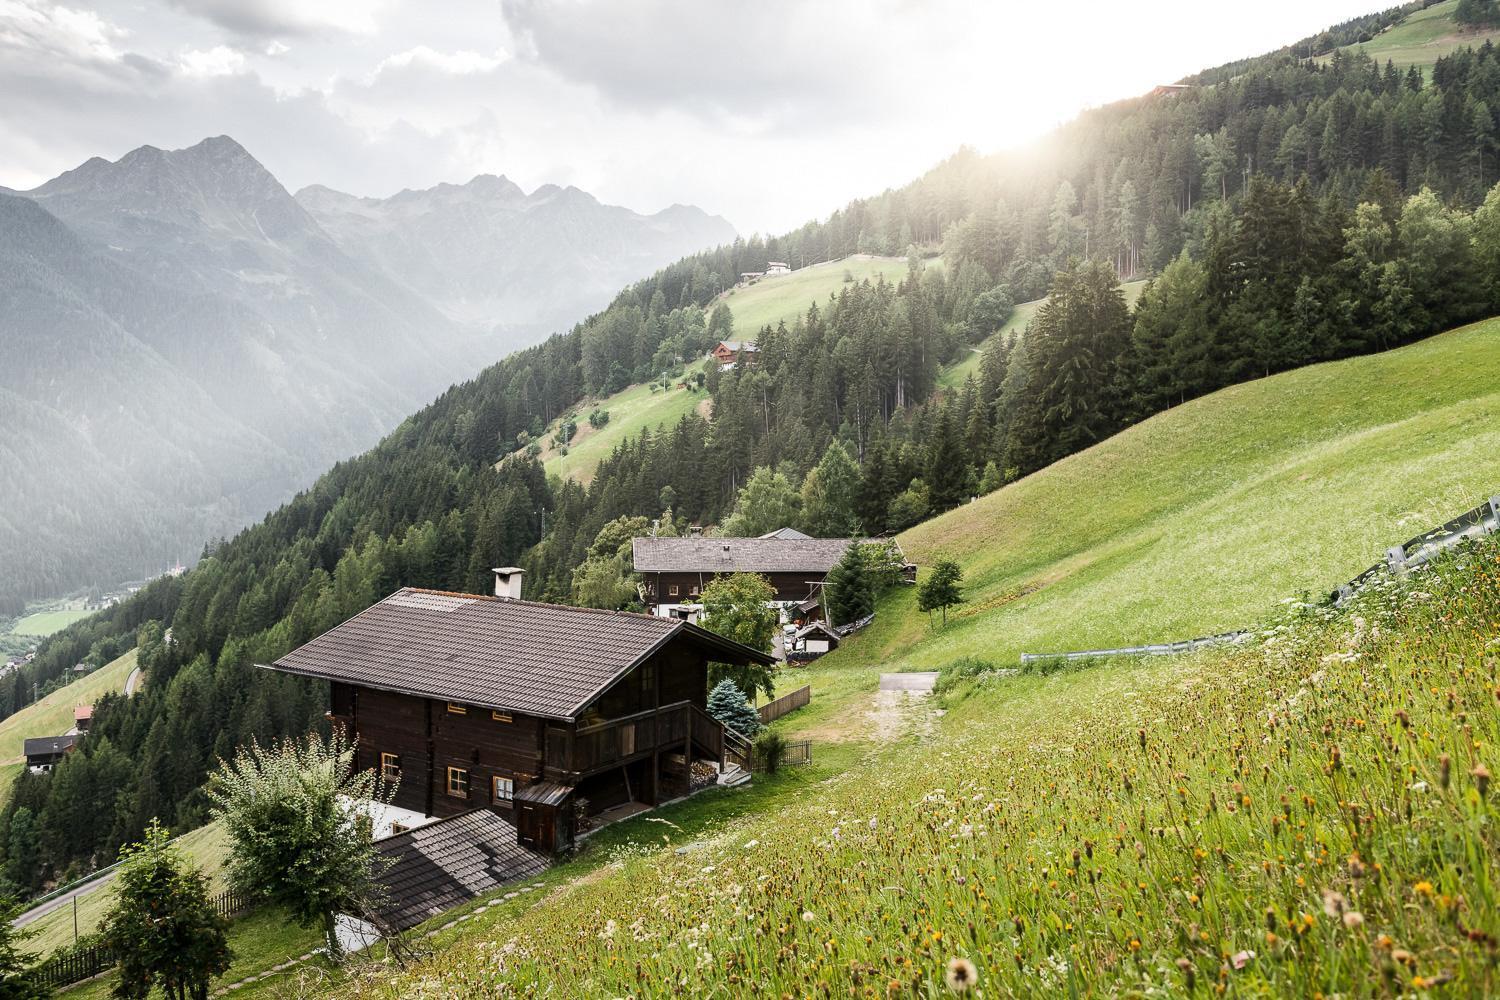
<point x="770" y="749"/>
<point x="952" y="673"/>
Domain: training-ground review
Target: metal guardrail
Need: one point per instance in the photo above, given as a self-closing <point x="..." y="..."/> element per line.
<point x="1469" y="526"/>
<point x="1466" y="527"/>
<point x="1150" y="649"/>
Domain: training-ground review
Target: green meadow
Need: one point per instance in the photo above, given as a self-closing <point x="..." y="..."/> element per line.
<point x="1161" y="826"/>
<point x="1424" y="37"/>
<point x="771" y="300"/>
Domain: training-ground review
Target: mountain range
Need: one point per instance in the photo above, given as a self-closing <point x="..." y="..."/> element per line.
<point x="183" y="343"/>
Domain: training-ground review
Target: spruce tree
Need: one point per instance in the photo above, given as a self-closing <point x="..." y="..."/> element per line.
<point x="728" y="704"/>
<point x="848" y="590"/>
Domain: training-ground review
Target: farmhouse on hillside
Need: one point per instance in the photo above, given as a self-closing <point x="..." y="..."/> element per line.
<point x="775" y="267"/>
<point x="730" y="351"/>
<point x="674" y="571"/>
<point x="43" y="753"/>
<point x="546" y="715"/>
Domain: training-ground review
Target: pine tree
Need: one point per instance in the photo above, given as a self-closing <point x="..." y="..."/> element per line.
<point x="946" y="464"/>
<point x="849" y="592"/>
<point x="728" y="704"/>
<point x="18" y="978"/>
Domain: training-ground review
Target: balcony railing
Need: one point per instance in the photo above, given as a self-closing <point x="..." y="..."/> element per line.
<point x="572" y="754"/>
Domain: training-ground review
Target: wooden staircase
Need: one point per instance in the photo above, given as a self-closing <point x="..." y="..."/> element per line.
<point x="738" y="759"/>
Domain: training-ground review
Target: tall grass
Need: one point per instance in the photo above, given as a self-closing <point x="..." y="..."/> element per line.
<point x="1311" y="815"/>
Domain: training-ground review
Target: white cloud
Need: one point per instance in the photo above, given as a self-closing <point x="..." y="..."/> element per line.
<point x="269" y="18"/>
<point x="768" y="113"/>
<point x="457" y="63"/>
<point x="220" y="60"/>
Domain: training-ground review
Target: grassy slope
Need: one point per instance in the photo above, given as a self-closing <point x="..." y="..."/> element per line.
<point x="767" y="302"/>
<point x="1422" y="38"/>
<point x="631" y="411"/>
<point x="953" y="376"/>
<point x="54" y="713"/>
<point x="1130" y="830"/>
<point x="1199" y="518"/>
<point x="771" y="300"/>
<point x="205" y="847"/>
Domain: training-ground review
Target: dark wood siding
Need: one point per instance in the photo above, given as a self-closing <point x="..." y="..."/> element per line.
<point x="788" y="586"/>
<point x="474" y="741"/>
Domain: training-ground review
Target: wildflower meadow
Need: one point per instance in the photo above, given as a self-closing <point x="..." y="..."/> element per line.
<point x="1308" y="815"/>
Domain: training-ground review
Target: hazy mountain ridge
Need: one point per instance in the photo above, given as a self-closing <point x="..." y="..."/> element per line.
<point x="184" y="345"/>
<point x="487" y="252"/>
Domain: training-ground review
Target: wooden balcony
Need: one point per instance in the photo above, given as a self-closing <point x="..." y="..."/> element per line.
<point x="574" y="754"/>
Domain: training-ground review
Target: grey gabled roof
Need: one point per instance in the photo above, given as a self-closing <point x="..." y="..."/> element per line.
<point x="436" y="867"/>
<point x="516" y="656"/>
<point x="785" y="533"/>
<point x="699" y="554"/>
<point x="39" y="746"/>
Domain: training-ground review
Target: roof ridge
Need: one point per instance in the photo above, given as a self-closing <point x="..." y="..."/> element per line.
<point x="517" y="600"/>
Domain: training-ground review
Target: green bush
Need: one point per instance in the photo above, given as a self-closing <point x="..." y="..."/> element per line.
<point x="770" y="749"/>
<point x="954" y="672"/>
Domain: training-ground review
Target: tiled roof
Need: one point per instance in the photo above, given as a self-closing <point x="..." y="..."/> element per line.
<point x="785" y="533"/>
<point x="516" y="656"/>
<point x="737" y="346"/>
<point x="40" y="745"/>
<point x="699" y="554"/>
<point x="436" y="867"/>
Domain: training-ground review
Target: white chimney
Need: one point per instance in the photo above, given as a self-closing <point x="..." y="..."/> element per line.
<point x="508" y="581"/>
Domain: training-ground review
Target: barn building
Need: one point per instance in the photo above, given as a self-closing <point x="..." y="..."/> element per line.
<point x="674" y="571"/>
<point x="730" y="351"/>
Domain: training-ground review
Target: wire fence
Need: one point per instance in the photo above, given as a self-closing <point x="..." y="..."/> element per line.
<point x="1469" y="526"/>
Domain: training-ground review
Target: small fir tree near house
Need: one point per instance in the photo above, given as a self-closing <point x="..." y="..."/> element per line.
<point x="295" y="841"/>
<point x="849" y="590"/>
<point x="728" y="704"/>
<point x="736" y="607"/>
<point x="163" y="927"/>
<point x="940" y="591"/>
<point x="18" y="974"/>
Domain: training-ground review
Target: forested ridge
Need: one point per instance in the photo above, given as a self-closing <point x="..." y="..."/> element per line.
<point x="1295" y="212"/>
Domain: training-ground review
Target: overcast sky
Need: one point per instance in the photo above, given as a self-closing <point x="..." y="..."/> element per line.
<point x="768" y="113"/>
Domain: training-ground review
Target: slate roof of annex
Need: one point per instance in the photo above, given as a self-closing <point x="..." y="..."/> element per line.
<point x="436" y="867"/>
<point x="700" y="554"/>
<point x="519" y="656"/>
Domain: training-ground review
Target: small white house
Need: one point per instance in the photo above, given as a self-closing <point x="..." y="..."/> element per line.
<point x="815" y="638"/>
<point x="775" y="267"/>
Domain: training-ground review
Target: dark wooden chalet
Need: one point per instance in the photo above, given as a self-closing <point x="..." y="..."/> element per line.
<point x="43" y="753"/>
<point x="674" y="571"/>
<point x="538" y="711"/>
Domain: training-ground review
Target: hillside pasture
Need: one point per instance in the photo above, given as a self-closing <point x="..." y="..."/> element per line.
<point x="953" y="376"/>
<point x="769" y="301"/>
<point x="1199" y="519"/>
<point x="631" y="411"/>
<point x="53" y="714"/>
<point x="1424" y="37"/>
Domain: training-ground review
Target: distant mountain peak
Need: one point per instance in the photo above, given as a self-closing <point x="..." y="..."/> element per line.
<point x="215" y="184"/>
